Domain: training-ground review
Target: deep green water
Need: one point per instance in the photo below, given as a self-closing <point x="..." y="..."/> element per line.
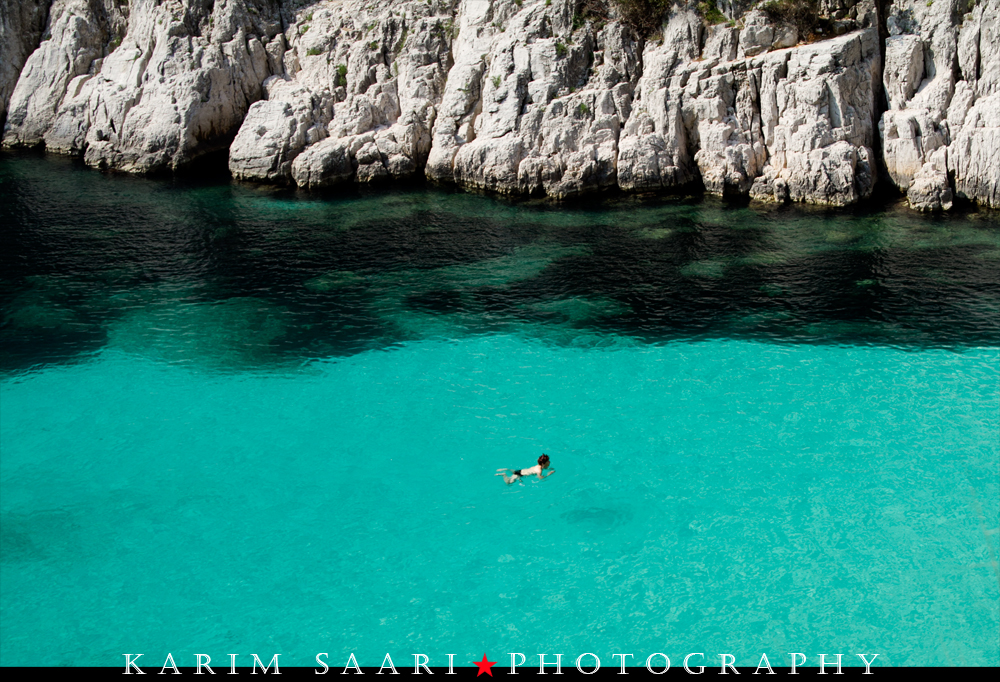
<point x="236" y="419"/>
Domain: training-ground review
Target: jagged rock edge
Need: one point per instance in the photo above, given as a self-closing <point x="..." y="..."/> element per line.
<point x="737" y="164"/>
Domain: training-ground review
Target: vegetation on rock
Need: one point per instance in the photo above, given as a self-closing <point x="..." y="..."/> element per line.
<point x="802" y="14"/>
<point x="643" y="16"/>
<point x="646" y="16"/>
<point x="709" y="10"/>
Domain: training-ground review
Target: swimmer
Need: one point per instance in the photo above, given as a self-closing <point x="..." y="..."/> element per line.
<point x="518" y="474"/>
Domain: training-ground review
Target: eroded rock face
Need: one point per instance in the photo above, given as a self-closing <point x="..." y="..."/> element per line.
<point x="785" y="124"/>
<point x="552" y="100"/>
<point x="76" y="39"/>
<point x="657" y="151"/>
<point x="488" y="94"/>
<point x="539" y="103"/>
<point x="548" y="97"/>
<point x="358" y="92"/>
<point x="818" y="121"/>
<point x="142" y="87"/>
<point x="974" y="155"/>
<point x="942" y="81"/>
<point x="21" y="26"/>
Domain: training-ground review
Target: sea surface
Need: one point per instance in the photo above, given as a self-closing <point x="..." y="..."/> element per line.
<point x="239" y="419"/>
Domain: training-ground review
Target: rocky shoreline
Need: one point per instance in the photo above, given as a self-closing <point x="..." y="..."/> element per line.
<point x="553" y="97"/>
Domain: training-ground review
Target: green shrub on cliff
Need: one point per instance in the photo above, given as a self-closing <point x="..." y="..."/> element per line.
<point x="643" y="16"/>
<point x="802" y="14"/>
<point x="646" y="16"/>
<point x="710" y="12"/>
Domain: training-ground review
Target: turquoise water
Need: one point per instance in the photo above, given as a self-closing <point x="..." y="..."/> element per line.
<point x="235" y="421"/>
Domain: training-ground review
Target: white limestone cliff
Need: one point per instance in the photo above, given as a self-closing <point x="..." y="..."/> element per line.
<point x="546" y="108"/>
<point x="941" y="133"/>
<point x="747" y="115"/>
<point x="548" y="97"/>
<point x="359" y="91"/>
<point x="21" y="27"/>
<point x="144" y="86"/>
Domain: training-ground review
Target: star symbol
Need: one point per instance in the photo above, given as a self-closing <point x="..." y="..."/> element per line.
<point x="484" y="666"/>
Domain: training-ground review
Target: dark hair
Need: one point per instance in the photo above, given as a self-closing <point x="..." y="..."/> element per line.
<point x="543" y="460"/>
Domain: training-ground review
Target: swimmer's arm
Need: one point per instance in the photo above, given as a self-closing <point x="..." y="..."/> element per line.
<point x="546" y="475"/>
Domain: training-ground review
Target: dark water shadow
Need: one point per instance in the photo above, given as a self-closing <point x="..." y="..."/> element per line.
<point x="91" y="259"/>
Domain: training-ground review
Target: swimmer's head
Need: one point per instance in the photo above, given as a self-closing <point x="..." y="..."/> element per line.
<point x="543" y="461"/>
